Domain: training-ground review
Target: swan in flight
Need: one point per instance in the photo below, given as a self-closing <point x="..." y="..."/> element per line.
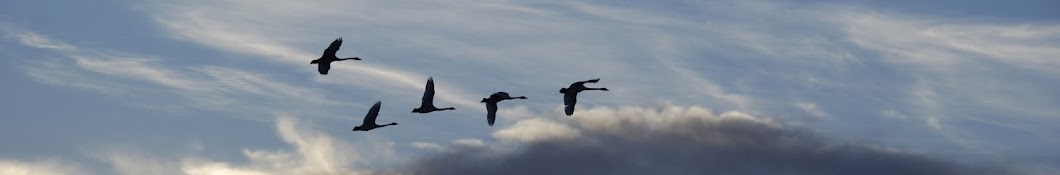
<point x="324" y="62"/>
<point x="491" y="104"/>
<point x="427" y="102"/>
<point x="570" y="94"/>
<point x="369" y="120"/>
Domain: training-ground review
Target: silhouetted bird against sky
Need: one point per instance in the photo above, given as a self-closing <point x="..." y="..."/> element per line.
<point x="427" y="103"/>
<point x="491" y="104"/>
<point x="369" y="120"/>
<point x="324" y="62"/>
<point x="570" y="94"/>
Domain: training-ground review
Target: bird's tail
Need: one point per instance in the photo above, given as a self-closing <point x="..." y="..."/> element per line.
<point x="562" y="90"/>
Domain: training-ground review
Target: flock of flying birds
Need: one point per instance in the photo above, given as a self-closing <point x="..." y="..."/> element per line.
<point x="323" y="63"/>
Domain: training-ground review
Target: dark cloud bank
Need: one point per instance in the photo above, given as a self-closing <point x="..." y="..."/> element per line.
<point x="675" y="140"/>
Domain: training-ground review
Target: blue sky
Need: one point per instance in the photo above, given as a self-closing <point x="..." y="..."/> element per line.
<point x="194" y="87"/>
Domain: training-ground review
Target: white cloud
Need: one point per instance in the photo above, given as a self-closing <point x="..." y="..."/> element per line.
<point x="311" y="152"/>
<point x="811" y="108"/>
<point x="129" y="161"/>
<point x="207" y="87"/>
<point x="41" y="41"/>
<point x="536" y="129"/>
<point x="44" y="167"/>
<point x="427" y="146"/>
<point x="469" y="143"/>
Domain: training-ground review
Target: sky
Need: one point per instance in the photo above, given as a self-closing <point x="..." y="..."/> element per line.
<point x="697" y="87"/>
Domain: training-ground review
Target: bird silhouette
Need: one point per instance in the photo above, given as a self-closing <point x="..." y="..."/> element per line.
<point x="570" y="94"/>
<point x="324" y="62"/>
<point x="427" y="102"/>
<point x="491" y="104"/>
<point x="369" y="120"/>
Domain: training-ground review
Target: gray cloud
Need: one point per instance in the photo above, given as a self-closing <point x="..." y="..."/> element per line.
<point x="678" y="140"/>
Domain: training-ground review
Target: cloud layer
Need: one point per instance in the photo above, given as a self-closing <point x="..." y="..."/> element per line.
<point x="677" y="140"/>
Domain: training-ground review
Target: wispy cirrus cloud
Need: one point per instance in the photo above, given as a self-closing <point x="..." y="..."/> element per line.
<point x="124" y="74"/>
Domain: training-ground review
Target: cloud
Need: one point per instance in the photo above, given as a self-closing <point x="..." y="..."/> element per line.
<point x="678" y="140"/>
<point x="311" y="152"/>
<point x="128" y="160"/>
<point x="41" y="41"/>
<point x="536" y="129"/>
<point x="811" y="109"/>
<point x="43" y="167"/>
<point x="205" y="86"/>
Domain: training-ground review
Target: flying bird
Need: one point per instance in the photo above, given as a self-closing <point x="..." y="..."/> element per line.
<point x="491" y="104"/>
<point x="427" y="102"/>
<point x="570" y="94"/>
<point x="369" y="120"/>
<point x="324" y="62"/>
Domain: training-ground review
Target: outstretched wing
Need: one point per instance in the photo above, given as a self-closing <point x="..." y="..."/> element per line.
<point x="569" y="99"/>
<point x="502" y="95"/>
<point x="372" y="113"/>
<point x="428" y="93"/>
<point x="333" y="48"/>
<point x="491" y="113"/>
<point x="590" y="81"/>
<point x="323" y="67"/>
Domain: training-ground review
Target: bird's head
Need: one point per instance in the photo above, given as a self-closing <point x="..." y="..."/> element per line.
<point x="484" y="100"/>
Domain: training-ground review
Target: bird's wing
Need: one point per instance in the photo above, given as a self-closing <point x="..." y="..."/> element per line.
<point x="502" y="95"/>
<point x="372" y="113"/>
<point x="577" y="85"/>
<point x="491" y="113"/>
<point x="323" y="67"/>
<point x="569" y="99"/>
<point x="428" y="93"/>
<point x="334" y="47"/>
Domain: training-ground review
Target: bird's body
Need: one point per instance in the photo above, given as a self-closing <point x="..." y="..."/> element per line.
<point x="427" y="102"/>
<point x="369" y="120"/>
<point x="570" y="94"/>
<point x="491" y="104"/>
<point x="324" y="62"/>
